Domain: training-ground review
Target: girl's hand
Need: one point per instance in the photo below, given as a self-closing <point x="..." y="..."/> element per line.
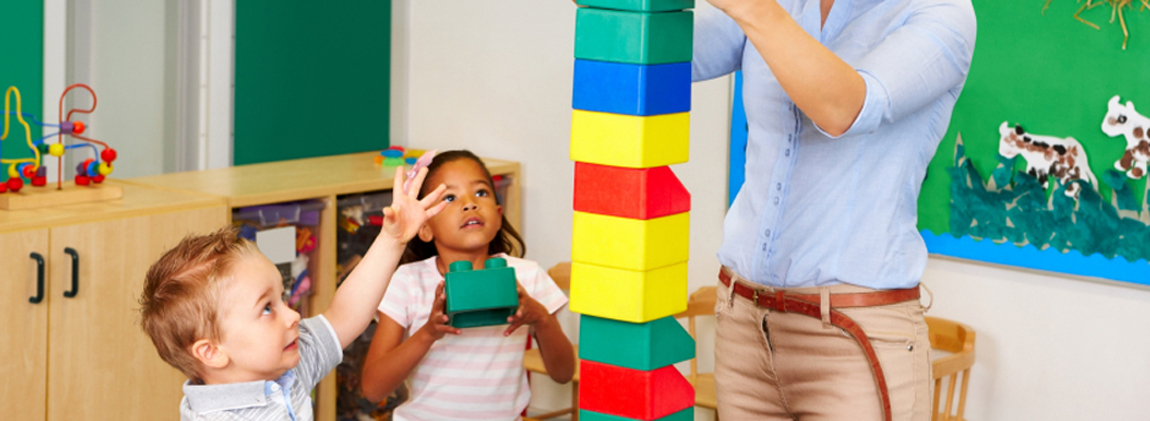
<point x="407" y="213"/>
<point x="530" y="312"/>
<point x="436" y="326"/>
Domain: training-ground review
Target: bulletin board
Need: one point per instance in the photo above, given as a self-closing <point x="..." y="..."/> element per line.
<point x="22" y="66"/>
<point x="1054" y="76"/>
<point x="312" y="78"/>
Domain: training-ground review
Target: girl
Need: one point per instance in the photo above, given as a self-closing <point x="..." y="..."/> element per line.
<point x="477" y="373"/>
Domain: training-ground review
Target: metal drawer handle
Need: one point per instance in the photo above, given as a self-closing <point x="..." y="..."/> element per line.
<point x="39" y="279"/>
<point x="75" y="272"/>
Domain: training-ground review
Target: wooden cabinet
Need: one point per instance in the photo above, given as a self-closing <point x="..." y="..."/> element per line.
<point x="23" y="326"/>
<point x="79" y="354"/>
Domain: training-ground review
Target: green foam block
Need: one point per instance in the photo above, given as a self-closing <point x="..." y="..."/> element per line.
<point x="684" y="415"/>
<point x="638" y="346"/>
<point x="484" y="297"/>
<point x="633" y="37"/>
<point x="640" y="5"/>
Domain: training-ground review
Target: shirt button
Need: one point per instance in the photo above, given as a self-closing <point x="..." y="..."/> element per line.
<point x="787" y="152"/>
<point x="778" y="186"/>
<point x="275" y="387"/>
<point x="776" y="200"/>
<point x="768" y="233"/>
<point x="764" y="247"/>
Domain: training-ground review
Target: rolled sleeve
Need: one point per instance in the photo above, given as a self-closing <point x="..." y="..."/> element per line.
<point x="871" y="115"/>
<point x="916" y="64"/>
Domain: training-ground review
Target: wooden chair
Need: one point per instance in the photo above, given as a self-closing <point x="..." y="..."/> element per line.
<point x="956" y="339"/>
<point x="701" y="303"/>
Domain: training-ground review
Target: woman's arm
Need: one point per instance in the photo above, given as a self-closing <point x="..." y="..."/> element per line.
<point x="827" y="89"/>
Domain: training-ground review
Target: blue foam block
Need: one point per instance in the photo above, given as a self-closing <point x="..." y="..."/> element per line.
<point x="632" y="89"/>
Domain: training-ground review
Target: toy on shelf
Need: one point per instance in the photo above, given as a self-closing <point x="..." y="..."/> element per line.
<point x="396" y="156"/>
<point x="483" y="297"/>
<point x="90" y="172"/>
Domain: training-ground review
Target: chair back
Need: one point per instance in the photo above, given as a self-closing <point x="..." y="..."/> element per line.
<point x="700" y="303"/>
<point x="561" y="274"/>
<point x="957" y="339"/>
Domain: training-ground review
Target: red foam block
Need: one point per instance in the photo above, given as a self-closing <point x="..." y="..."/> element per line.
<point x="628" y="393"/>
<point x="635" y="193"/>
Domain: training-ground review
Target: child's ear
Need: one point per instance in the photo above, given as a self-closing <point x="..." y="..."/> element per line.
<point x="425" y="234"/>
<point x="208" y="354"/>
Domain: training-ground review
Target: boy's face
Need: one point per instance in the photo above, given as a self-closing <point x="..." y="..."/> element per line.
<point x="260" y="332"/>
<point x="472" y="218"/>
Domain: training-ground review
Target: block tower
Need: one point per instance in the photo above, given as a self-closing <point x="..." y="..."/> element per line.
<point x="631" y="98"/>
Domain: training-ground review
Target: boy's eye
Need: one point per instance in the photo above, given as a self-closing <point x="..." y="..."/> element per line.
<point x="482" y="193"/>
<point x="267" y="309"/>
<point x="449" y="198"/>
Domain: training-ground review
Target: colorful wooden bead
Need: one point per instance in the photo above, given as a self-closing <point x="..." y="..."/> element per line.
<point x="56" y="149"/>
<point x="15" y="184"/>
<point x="108" y="155"/>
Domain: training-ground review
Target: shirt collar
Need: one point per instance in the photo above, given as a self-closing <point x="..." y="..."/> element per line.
<point x="231" y="396"/>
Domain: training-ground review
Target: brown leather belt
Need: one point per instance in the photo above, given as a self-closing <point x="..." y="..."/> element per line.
<point x="809" y="305"/>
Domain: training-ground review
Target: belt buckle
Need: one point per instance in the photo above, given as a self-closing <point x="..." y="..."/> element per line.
<point x="755" y="297"/>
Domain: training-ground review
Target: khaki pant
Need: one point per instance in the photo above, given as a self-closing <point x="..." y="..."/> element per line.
<point x="790" y="366"/>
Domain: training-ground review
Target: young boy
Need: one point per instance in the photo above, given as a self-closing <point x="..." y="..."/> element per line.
<point x="213" y="306"/>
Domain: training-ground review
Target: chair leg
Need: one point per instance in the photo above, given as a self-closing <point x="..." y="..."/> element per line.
<point x="575" y="400"/>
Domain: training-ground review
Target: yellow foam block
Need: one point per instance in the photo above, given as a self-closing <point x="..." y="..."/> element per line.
<point x="629" y="141"/>
<point x="633" y="244"/>
<point x="627" y="295"/>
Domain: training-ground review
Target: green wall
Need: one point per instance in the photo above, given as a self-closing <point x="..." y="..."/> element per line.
<point x="312" y="78"/>
<point x="22" y="66"/>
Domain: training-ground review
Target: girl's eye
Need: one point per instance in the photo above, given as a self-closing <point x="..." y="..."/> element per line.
<point x="449" y="198"/>
<point x="267" y="310"/>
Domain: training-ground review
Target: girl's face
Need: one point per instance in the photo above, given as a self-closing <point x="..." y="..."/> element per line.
<point x="471" y="219"/>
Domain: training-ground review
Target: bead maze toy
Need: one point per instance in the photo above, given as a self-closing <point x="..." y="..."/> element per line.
<point x="631" y="100"/>
<point x="482" y="297"/>
<point x="90" y="173"/>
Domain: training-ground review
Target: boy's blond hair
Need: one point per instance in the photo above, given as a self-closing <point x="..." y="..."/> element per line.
<point x="180" y="303"/>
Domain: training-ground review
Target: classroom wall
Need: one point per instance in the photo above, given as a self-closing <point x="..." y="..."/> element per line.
<point x="468" y="74"/>
<point x="125" y="50"/>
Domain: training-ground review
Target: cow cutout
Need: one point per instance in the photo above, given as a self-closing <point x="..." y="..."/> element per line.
<point x="1063" y="158"/>
<point x="1123" y="120"/>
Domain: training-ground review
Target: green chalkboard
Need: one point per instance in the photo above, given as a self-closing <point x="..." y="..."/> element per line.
<point x="1049" y="73"/>
<point x="22" y="66"/>
<point x="312" y="78"/>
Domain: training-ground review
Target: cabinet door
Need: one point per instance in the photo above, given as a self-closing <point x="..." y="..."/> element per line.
<point x="23" y="326"/>
<point x="101" y="364"/>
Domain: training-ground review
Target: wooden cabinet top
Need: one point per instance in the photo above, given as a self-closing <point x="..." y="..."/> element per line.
<point x="137" y="201"/>
<point x="285" y="181"/>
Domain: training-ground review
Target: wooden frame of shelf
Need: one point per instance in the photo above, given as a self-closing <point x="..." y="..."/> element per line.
<point x="325" y="179"/>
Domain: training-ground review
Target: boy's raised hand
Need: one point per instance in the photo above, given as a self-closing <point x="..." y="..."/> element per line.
<point x="437" y="323"/>
<point x="530" y="312"/>
<point x="407" y="213"/>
